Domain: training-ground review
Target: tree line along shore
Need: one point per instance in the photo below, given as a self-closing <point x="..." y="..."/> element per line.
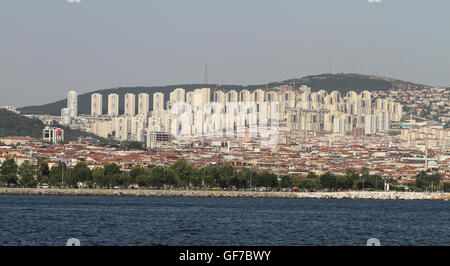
<point x="181" y="175"/>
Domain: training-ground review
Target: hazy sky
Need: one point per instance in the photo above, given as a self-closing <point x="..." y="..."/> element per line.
<point x="48" y="47"/>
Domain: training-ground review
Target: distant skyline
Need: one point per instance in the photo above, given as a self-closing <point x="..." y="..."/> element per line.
<point x="49" y="47"/>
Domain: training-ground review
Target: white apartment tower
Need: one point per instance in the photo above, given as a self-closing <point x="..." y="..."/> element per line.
<point x="258" y="96"/>
<point x="113" y="105"/>
<point x="339" y="126"/>
<point x="143" y="104"/>
<point x="122" y="127"/>
<point x="130" y="104"/>
<point x="178" y="95"/>
<point x="72" y="103"/>
<point x="384" y="121"/>
<point x="158" y="104"/>
<point x="190" y="97"/>
<point x="202" y="96"/>
<point x="231" y="96"/>
<point x="244" y="96"/>
<point x="65" y="116"/>
<point x="96" y="104"/>
<point x="370" y="124"/>
<point x="219" y="97"/>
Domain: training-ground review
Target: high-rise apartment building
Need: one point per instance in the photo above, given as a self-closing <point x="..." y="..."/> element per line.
<point x="122" y="127"/>
<point x="219" y="97"/>
<point x="130" y="104"/>
<point x="231" y="96"/>
<point x="370" y="124"/>
<point x="384" y="121"/>
<point x="178" y="95"/>
<point x="72" y="103"/>
<point x="96" y="104"/>
<point x="258" y="96"/>
<point x="66" y="116"/>
<point x="143" y="104"/>
<point x="158" y="104"/>
<point x="202" y="96"/>
<point x="244" y="96"/>
<point x="339" y="126"/>
<point x="113" y="105"/>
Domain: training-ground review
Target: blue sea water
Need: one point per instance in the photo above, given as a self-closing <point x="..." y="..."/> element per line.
<point x="52" y="220"/>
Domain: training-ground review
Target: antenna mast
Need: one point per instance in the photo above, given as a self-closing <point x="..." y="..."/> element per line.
<point x="206" y="72"/>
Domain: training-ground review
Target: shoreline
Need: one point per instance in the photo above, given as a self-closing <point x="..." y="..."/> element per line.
<point x="370" y="195"/>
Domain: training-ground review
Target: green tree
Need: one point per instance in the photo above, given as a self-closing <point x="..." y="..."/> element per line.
<point x="287" y="181"/>
<point x="9" y="166"/>
<point x="225" y="173"/>
<point x="81" y="173"/>
<point x="235" y="181"/>
<point x="364" y="176"/>
<point x="134" y="145"/>
<point x="158" y="176"/>
<point x="119" y="179"/>
<point x="352" y="174"/>
<point x="344" y="182"/>
<point x="204" y="177"/>
<point x="297" y="181"/>
<point x="44" y="173"/>
<point x="135" y="172"/>
<point x="99" y="178"/>
<point x="211" y="176"/>
<point x="309" y="184"/>
<point x="161" y="175"/>
<point x="183" y="171"/>
<point x="421" y="179"/>
<point x="375" y="182"/>
<point x="248" y="177"/>
<point x="143" y="180"/>
<point x="243" y="178"/>
<point x="427" y="182"/>
<point x="111" y="170"/>
<point x="447" y="187"/>
<point x="9" y="179"/>
<point x="311" y="175"/>
<point x="328" y="180"/>
<point x="68" y="179"/>
<point x="267" y="179"/>
<point x="196" y="177"/>
<point x="8" y="172"/>
<point x="59" y="175"/>
<point x="26" y="172"/>
<point x="434" y="181"/>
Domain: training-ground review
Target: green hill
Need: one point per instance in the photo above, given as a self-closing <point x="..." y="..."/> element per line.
<point x="329" y="82"/>
<point x="13" y="124"/>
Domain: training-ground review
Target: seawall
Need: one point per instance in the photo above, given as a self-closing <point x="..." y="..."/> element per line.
<point x="373" y="195"/>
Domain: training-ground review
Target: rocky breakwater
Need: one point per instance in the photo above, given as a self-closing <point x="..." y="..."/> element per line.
<point x="370" y="195"/>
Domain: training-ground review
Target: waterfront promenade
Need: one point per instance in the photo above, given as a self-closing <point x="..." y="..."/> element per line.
<point x="373" y="195"/>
